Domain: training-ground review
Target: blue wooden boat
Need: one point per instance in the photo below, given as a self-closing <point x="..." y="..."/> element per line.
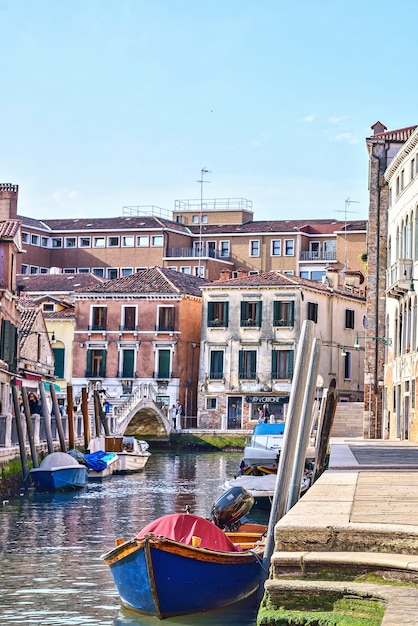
<point x="59" y="472"/>
<point x="182" y="563"/>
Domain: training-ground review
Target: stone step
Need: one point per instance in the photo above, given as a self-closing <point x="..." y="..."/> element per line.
<point x="391" y="566"/>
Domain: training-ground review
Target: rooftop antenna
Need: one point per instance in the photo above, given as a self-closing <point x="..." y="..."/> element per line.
<point x="203" y="171"/>
<point x="346" y="206"/>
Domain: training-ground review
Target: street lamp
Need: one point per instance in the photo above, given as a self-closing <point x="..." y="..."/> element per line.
<point x="411" y="288"/>
<point x="386" y="341"/>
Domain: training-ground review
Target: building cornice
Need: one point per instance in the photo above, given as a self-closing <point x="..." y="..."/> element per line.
<point x="397" y="161"/>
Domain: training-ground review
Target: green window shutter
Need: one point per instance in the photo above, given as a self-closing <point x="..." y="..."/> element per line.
<point x="164" y="363"/>
<point x="243" y="311"/>
<point x="258" y="314"/>
<point x="89" y="362"/>
<point x="59" y="354"/>
<point x="241" y="362"/>
<point x="253" y="361"/>
<point x="274" y="362"/>
<point x="128" y="363"/>
<point x="103" y="364"/>
<point x="292" y="313"/>
<point x="275" y="312"/>
<point x="211" y="316"/>
<point x="226" y="314"/>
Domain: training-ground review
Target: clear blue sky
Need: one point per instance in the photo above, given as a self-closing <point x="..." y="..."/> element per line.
<point x="106" y="103"/>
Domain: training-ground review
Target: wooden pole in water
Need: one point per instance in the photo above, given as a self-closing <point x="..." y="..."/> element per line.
<point x="22" y="447"/>
<point x="33" y="452"/>
<point x="70" y="415"/>
<point x="323" y="436"/>
<point x="47" y="417"/>
<point x="57" y="416"/>
<point x="86" y="422"/>
<point x="96" y="413"/>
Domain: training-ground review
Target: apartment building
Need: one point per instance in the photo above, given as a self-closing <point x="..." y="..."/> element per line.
<point x="192" y="241"/>
<point x="251" y="327"/>
<point x="391" y="193"/>
<point x="400" y="418"/>
<point x="138" y="330"/>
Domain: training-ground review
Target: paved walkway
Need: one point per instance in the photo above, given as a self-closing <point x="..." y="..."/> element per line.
<point x="367" y="501"/>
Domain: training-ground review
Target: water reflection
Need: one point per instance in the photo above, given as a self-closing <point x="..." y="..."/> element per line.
<point x="50" y="544"/>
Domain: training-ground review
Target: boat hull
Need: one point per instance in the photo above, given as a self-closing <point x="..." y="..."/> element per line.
<point x="161" y="577"/>
<point x="129" y="463"/>
<point x="61" y="479"/>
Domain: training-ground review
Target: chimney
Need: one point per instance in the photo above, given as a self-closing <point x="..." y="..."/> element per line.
<point x="225" y="274"/>
<point x="378" y="128"/>
<point x="8" y="201"/>
<point x="242" y="272"/>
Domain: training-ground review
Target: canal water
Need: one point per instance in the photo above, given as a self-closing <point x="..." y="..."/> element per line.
<point x="51" y="572"/>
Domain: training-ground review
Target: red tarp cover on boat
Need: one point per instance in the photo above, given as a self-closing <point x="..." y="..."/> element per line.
<point x="183" y="526"/>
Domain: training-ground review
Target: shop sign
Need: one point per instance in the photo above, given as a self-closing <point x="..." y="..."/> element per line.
<point x="267" y="399"/>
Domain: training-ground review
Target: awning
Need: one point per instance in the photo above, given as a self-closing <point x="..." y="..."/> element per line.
<point x="48" y="384"/>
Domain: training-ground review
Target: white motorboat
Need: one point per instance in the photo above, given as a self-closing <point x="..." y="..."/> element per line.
<point x="133" y="457"/>
<point x="265" y="446"/>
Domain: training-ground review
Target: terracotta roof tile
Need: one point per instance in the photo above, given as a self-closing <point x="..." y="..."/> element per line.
<point x="9" y="229"/>
<point x="153" y="280"/>
<point x="56" y="282"/>
<point x="401" y="135"/>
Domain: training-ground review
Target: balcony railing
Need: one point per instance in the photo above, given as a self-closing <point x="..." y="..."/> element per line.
<point x="163" y="375"/>
<point x="282" y="375"/>
<point x="248" y="375"/>
<point x="398" y="278"/>
<point x="128" y="328"/>
<point x="318" y="255"/>
<point x="194" y="253"/>
<point x="164" y="328"/>
<point x="250" y="323"/>
<point x="283" y="322"/>
<point x="97" y="327"/>
<point x="217" y="323"/>
<point x="216" y="375"/>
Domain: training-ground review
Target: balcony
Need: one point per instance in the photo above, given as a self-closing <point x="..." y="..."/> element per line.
<point x="217" y="323"/>
<point x="283" y="322"/>
<point x="128" y="328"/>
<point x="164" y="375"/>
<point x="247" y="375"/>
<point x="164" y="328"/>
<point x="99" y="328"/>
<point x="193" y="253"/>
<point x="318" y="255"/>
<point x="249" y="323"/>
<point x="216" y="375"/>
<point x="398" y="278"/>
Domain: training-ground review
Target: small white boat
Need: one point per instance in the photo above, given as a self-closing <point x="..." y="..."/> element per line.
<point x="262" y="487"/>
<point x="101" y="461"/>
<point x="265" y="446"/>
<point x="133" y="457"/>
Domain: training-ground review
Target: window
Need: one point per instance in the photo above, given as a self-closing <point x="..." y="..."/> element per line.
<point x="34" y="239"/>
<point x="48" y="306"/>
<point x="179" y="219"/>
<point x="128" y="318"/>
<point x="128" y="363"/>
<point x="99" y="242"/>
<point x="128" y="241"/>
<point x="157" y="241"/>
<point x="70" y="242"/>
<point x="69" y="270"/>
<point x="165" y="319"/>
<point x="412" y="168"/>
<point x="113" y="242"/>
<point x="25" y="268"/>
<point x="59" y="354"/>
<point x="84" y="242"/>
<point x="8" y="342"/>
<point x="45" y="242"/>
<point x="282" y="364"/>
<point x="211" y="403"/>
<point x="313" y="311"/>
<point x="250" y="314"/>
<point x="112" y="272"/>
<point x="44" y="270"/>
<point x="247" y="364"/>
<point x="349" y="318"/>
<point x="402" y="179"/>
<point x="289" y="247"/>
<point x="347" y="366"/>
<point x="96" y="363"/>
<point x="216" y="367"/>
<point x="98" y="271"/>
<point x="276" y="247"/>
<point x="317" y="275"/>
<point x="34" y="269"/>
<point x="172" y="267"/>
<point x="255" y="247"/>
<point x="283" y="313"/>
<point x="224" y="248"/>
<point x="142" y="241"/>
<point x="218" y="314"/>
<point x="25" y="237"/>
<point x="199" y="270"/>
<point x="185" y="269"/>
<point x="204" y="219"/>
<point x="98" y="318"/>
<point x="83" y="270"/>
<point x="163" y="364"/>
<point x="195" y="219"/>
<point x="126" y="271"/>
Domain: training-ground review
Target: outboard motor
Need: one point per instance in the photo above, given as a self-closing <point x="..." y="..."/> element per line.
<point x="230" y="507"/>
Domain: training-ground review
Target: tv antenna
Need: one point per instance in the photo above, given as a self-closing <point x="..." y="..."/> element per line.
<point x="347" y="203"/>
<point x="203" y="171"/>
